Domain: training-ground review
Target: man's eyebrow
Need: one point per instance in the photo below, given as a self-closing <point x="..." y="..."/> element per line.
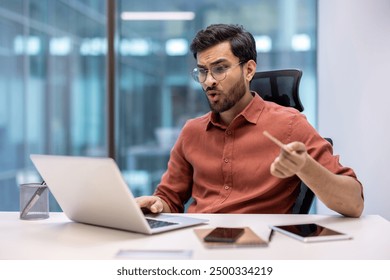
<point x="213" y="63"/>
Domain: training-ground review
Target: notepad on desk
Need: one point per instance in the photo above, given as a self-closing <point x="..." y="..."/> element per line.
<point x="247" y="239"/>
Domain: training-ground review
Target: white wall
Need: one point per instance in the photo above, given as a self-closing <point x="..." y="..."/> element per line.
<point x="354" y="92"/>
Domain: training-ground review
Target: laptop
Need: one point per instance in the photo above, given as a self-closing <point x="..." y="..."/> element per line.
<point x="92" y="190"/>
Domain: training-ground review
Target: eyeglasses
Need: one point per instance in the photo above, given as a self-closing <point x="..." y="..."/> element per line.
<point x="218" y="72"/>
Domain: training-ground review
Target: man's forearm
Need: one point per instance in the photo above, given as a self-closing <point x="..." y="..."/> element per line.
<point x="340" y="193"/>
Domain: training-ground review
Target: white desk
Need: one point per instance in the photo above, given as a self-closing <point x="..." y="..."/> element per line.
<point x="59" y="238"/>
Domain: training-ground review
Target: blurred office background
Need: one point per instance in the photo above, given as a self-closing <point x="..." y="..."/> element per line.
<point x="54" y="85"/>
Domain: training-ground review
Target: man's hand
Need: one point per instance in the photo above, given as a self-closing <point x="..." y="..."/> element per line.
<point x="340" y="193"/>
<point x="152" y="203"/>
<point x="290" y="161"/>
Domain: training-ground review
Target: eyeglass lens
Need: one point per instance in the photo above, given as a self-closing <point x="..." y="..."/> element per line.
<point x="218" y="72"/>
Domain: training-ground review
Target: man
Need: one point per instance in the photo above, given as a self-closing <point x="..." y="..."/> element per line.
<point x="223" y="161"/>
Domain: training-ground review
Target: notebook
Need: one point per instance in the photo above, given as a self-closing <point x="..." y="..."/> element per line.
<point x="92" y="190"/>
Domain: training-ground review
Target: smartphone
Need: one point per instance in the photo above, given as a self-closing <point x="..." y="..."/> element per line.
<point x="311" y="232"/>
<point x="224" y="234"/>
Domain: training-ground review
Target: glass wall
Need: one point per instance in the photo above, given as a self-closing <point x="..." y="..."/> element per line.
<point x="53" y="77"/>
<point x="156" y="92"/>
<point x="52" y="85"/>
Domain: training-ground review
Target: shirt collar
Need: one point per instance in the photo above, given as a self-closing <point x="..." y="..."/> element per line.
<point x="251" y="113"/>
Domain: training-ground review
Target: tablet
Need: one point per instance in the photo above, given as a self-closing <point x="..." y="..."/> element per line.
<point x="310" y="232"/>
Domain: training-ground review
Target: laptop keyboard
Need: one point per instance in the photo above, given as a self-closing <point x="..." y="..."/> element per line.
<point x="158" y="223"/>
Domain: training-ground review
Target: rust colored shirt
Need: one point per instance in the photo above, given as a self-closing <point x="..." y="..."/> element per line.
<point x="227" y="169"/>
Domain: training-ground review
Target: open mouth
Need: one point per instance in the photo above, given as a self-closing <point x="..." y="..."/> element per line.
<point x="213" y="95"/>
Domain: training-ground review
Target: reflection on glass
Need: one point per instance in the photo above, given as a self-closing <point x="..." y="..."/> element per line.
<point x="52" y="86"/>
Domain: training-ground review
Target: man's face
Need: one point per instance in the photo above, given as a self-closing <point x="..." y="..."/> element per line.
<point x="222" y="95"/>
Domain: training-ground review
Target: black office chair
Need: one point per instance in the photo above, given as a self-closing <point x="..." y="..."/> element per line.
<point x="279" y="86"/>
<point x="282" y="87"/>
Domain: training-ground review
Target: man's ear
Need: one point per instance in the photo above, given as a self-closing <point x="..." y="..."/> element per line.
<point x="250" y="70"/>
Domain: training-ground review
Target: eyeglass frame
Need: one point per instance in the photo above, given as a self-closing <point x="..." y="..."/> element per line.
<point x="195" y="75"/>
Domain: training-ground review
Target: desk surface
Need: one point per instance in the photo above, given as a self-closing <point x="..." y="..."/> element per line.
<point x="59" y="238"/>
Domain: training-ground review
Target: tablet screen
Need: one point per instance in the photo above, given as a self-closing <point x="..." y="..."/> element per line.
<point x="306" y="230"/>
<point x="310" y="232"/>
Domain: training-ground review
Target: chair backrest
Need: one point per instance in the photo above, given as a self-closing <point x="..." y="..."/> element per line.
<point x="304" y="200"/>
<point x="280" y="86"/>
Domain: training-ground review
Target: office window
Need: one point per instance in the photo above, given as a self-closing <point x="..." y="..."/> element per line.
<point x="52" y="86"/>
<point x="156" y="93"/>
<point x="53" y="77"/>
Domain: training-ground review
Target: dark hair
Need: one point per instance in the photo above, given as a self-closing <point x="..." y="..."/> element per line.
<point x="241" y="41"/>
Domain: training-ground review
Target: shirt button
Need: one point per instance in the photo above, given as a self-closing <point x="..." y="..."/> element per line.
<point x="226" y="160"/>
<point x="227" y="187"/>
<point x="229" y="132"/>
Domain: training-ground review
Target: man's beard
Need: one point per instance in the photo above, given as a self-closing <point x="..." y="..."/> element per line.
<point x="230" y="98"/>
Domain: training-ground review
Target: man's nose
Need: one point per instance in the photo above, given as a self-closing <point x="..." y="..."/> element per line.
<point x="210" y="80"/>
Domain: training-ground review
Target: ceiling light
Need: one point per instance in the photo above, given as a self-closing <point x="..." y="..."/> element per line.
<point x="158" y="15"/>
<point x="263" y="43"/>
<point x="301" y="42"/>
<point x="176" y="47"/>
